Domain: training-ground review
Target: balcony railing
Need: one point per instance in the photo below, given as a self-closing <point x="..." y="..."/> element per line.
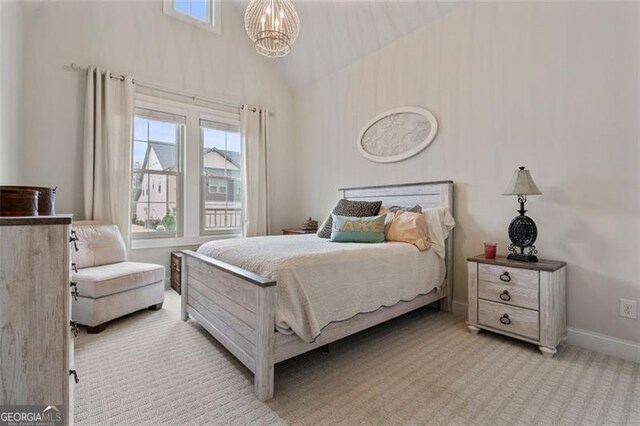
<point x="222" y="218"/>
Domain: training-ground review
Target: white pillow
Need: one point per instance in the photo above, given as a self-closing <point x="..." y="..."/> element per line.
<point x="439" y="223"/>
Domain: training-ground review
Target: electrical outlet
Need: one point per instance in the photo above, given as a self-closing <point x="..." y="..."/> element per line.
<point x="629" y="308"/>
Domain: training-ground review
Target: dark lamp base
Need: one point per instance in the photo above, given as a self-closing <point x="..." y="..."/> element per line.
<point x="522" y="257"/>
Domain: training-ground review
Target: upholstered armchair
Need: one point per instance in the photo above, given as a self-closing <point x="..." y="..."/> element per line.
<point x="109" y="286"/>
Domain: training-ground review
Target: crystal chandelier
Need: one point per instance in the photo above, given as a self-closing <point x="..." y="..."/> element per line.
<point x="272" y="25"/>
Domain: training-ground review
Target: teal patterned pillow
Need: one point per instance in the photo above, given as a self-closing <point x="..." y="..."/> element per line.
<point x="347" y="229"/>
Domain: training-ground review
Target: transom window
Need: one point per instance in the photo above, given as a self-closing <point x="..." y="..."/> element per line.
<point x="202" y="13"/>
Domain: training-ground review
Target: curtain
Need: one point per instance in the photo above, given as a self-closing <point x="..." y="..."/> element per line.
<point x="108" y="127"/>
<point x="255" y="208"/>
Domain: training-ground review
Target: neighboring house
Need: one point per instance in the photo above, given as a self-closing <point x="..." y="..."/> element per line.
<point x="223" y="189"/>
<point x="155" y="193"/>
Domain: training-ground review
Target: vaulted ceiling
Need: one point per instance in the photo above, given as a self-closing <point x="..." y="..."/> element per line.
<point x="336" y="33"/>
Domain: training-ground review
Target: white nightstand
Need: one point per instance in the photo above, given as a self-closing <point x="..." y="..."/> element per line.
<point x="522" y="300"/>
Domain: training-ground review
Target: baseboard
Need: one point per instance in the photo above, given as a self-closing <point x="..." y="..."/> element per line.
<point x="459" y="308"/>
<point x="596" y="342"/>
<point x="602" y="343"/>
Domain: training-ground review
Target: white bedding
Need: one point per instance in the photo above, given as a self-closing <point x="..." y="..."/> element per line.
<point x="319" y="281"/>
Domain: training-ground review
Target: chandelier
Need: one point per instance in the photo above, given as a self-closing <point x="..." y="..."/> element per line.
<point x="272" y="25"/>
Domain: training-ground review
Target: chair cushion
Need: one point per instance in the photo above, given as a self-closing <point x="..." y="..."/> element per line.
<point x="104" y="280"/>
<point x="98" y="245"/>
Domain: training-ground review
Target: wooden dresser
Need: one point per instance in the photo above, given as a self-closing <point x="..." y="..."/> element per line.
<point x="518" y="299"/>
<point x="36" y="333"/>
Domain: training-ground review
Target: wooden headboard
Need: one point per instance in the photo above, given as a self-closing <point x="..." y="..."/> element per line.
<point x="428" y="195"/>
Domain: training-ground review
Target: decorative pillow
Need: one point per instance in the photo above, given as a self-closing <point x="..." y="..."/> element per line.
<point x="391" y="211"/>
<point x="439" y="224"/>
<point x="352" y="209"/>
<point x="346" y="229"/>
<point x="415" y="209"/>
<point x="409" y="227"/>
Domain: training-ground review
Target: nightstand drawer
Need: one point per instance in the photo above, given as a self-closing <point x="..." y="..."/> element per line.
<point x="509" y="294"/>
<point x="175" y="263"/>
<point x="505" y="275"/>
<point x="509" y="318"/>
<point x="175" y="275"/>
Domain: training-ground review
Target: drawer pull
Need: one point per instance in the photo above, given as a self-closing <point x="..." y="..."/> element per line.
<point x="73" y="238"/>
<point x="75" y="376"/>
<point x="505" y="296"/>
<point x="74" y="290"/>
<point x="74" y="328"/>
<point x="75" y="269"/>
<point x="505" y="319"/>
<point x="505" y="277"/>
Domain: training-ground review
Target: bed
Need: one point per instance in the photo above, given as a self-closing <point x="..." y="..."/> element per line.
<point x="268" y="299"/>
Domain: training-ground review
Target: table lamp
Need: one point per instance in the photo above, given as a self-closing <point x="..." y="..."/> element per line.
<point x="522" y="229"/>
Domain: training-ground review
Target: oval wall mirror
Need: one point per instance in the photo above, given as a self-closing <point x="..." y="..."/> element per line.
<point x="397" y="134"/>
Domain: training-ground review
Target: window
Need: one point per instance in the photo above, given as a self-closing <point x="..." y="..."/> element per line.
<point x="158" y="139"/>
<point x="217" y="186"/>
<point x="221" y="159"/>
<point x="202" y="13"/>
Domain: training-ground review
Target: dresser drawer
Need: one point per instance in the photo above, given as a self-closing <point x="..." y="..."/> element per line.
<point x="505" y="275"/>
<point x="524" y="297"/>
<point x="509" y="318"/>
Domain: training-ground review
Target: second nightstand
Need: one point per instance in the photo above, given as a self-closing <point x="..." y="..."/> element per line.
<point x="176" y="267"/>
<point x="518" y="299"/>
<point x="297" y="231"/>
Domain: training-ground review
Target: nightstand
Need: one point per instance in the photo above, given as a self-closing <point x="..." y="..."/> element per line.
<point x="522" y="300"/>
<point x="297" y="231"/>
<point x="176" y="267"/>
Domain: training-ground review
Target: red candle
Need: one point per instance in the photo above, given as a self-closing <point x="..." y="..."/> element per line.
<point x="490" y="250"/>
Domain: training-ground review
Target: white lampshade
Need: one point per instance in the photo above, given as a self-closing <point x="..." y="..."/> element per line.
<point x="522" y="184"/>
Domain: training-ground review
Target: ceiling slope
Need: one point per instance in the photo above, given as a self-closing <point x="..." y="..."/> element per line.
<point x="336" y="33"/>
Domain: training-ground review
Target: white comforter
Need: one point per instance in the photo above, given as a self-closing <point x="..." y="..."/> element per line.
<point x="319" y="281"/>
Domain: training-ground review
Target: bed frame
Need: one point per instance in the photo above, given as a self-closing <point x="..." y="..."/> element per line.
<point x="238" y="307"/>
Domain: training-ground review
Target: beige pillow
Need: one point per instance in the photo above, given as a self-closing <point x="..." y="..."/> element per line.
<point x="387" y="220"/>
<point x="409" y="227"/>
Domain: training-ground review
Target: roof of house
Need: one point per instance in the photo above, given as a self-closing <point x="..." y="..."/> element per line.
<point x="232" y="156"/>
<point x="166" y="154"/>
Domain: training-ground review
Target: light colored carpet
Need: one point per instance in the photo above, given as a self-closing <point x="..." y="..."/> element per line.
<point x="423" y="368"/>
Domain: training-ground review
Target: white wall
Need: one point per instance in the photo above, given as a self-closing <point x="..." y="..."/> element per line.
<point x="136" y="38"/>
<point x="551" y="86"/>
<point x="10" y="90"/>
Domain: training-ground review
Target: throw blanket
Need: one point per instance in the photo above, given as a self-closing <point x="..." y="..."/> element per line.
<point x="319" y="281"/>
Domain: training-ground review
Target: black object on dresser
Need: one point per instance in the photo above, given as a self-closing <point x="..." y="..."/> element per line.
<point x="176" y="267"/>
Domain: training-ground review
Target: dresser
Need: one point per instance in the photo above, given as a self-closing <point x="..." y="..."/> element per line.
<point x="36" y="333"/>
<point x="522" y="300"/>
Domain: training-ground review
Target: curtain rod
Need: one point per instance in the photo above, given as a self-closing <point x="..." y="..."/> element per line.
<point x="77" y="68"/>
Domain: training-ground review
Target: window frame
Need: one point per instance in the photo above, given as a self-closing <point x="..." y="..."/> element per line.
<point x="191" y="167"/>
<point x="224" y="118"/>
<point x="214" y="21"/>
<point x="180" y="147"/>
